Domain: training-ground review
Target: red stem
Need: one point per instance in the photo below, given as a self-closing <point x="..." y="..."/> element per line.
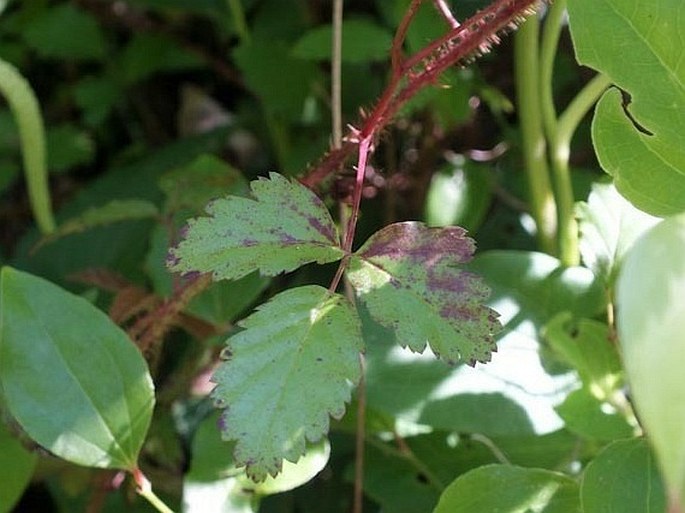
<point x="444" y="9"/>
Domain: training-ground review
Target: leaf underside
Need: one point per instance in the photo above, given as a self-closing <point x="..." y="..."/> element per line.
<point x="285" y="374"/>
<point x="284" y="227"/>
<point x="407" y="276"/>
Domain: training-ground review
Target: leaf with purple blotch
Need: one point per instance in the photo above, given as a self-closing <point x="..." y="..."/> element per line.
<point x="289" y="370"/>
<point x="284" y="226"/>
<point x="407" y="274"/>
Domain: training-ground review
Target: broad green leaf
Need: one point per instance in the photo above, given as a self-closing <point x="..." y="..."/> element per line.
<point x="623" y="477"/>
<point x="16" y="468"/>
<point x="593" y="419"/>
<point x="586" y="346"/>
<point x="52" y="33"/>
<point x="285" y="374"/>
<point x="408" y="277"/>
<point x="147" y="54"/>
<point x="264" y="64"/>
<point x="68" y="146"/>
<point x="362" y="41"/>
<point x="459" y="194"/>
<point x="284" y="227"/>
<point x="73" y="380"/>
<point x="651" y="323"/>
<point x="510" y="489"/>
<point x="637" y="44"/>
<point x="608" y="227"/>
<point x="113" y="212"/>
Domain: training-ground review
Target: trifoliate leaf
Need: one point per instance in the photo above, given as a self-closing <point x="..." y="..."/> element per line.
<point x="284" y="227"/>
<point x="285" y="374"/>
<point x="407" y="276"/>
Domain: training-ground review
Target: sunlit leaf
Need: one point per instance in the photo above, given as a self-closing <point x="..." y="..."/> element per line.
<point x="623" y="477"/>
<point x="494" y="488"/>
<point x="608" y="227"/>
<point x="639" y="140"/>
<point x="590" y="418"/>
<point x="284" y="227"/>
<point x="651" y="323"/>
<point x="285" y="374"/>
<point x="408" y="276"/>
<point x="72" y="379"/>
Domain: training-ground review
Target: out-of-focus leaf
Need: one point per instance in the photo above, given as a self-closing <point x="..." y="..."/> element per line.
<point x="70" y="377"/>
<point x="65" y="32"/>
<point x="590" y="418"/>
<point x="96" y="97"/>
<point x="640" y="141"/>
<point x="264" y="64"/>
<point x="284" y="227"/>
<point x="586" y="346"/>
<point x="362" y="41"/>
<point x="459" y="195"/>
<point x="408" y="277"/>
<point x="651" y="323"/>
<point x="113" y="212"/>
<point x="623" y="477"/>
<point x="285" y="374"/>
<point x="496" y="488"/>
<point x="16" y="468"/>
<point x="147" y="54"/>
<point x="67" y="146"/>
<point x="609" y="225"/>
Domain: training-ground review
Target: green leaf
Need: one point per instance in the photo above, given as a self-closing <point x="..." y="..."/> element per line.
<point x="586" y="346"/>
<point x="623" y="477"/>
<point x="609" y="225"/>
<point x="591" y="418"/>
<point x="67" y="147"/>
<point x="407" y="276"/>
<point x="64" y="32"/>
<point x="651" y="323"/>
<point x="97" y="97"/>
<point x="285" y="374"/>
<point x="72" y="379"/>
<point x="362" y="41"/>
<point x="113" y="212"/>
<point x="633" y="43"/>
<point x="147" y="54"/>
<point x="510" y="489"/>
<point x="264" y="64"/>
<point x="16" y="468"/>
<point x="284" y="227"/>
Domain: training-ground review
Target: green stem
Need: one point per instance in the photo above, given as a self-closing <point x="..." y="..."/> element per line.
<point x="542" y="204"/>
<point x="560" y="147"/>
<point x="24" y="106"/>
<point x="236" y="8"/>
<point x="145" y="490"/>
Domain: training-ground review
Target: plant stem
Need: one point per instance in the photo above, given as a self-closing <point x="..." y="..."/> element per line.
<point x="560" y="147"/>
<point x="145" y="490"/>
<point x="543" y="208"/>
<point x="26" y="111"/>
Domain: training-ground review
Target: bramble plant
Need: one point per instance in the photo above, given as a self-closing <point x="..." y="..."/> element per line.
<point x="180" y="262"/>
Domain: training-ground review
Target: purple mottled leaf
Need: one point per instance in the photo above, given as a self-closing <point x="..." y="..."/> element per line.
<point x="408" y="276"/>
<point x="284" y="226"/>
<point x="285" y="374"/>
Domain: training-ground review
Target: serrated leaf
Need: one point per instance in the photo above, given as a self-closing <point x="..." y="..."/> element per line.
<point x="362" y="41"/>
<point x="623" y="477"/>
<point x="407" y="275"/>
<point x="72" y="379"/>
<point x="284" y="227"/>
<point x="639" y="46"/>
<point x="285" y="374"/>
<point x="609" y="225"/>
<point x="113" y="212"/>
<point x="508" y="488"/>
